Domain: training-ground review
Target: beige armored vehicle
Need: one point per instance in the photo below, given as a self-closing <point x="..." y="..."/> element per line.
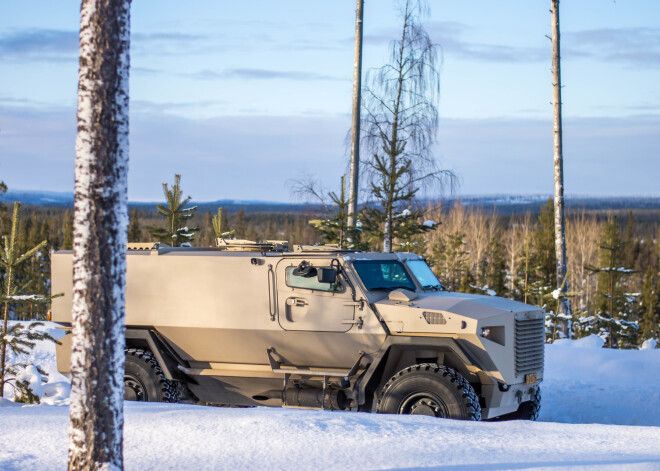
<point x="254" y="324"/>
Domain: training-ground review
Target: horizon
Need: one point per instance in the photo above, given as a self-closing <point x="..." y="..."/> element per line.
<point x="534" y="197"/>
<point x="243" y="99"/>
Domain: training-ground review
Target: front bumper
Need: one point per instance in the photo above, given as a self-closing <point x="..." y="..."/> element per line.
<point x="499" y="402"/>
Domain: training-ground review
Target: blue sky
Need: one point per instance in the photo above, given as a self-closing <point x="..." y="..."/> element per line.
<point x="243" y="97"/>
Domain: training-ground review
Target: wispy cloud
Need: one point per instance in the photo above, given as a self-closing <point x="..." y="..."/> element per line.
<point x="261" y="74"/>
<point x="632" y="46"/>
<point x="150" y="107"/>
<point x="39" y="45"/>
<point x="450" y="37"/>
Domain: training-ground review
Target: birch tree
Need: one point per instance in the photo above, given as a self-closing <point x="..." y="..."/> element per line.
<point x="401" y="122"/>
<point x="99" y="237"/>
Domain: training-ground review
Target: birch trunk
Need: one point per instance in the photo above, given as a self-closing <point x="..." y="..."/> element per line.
<point x="560" y="236"/>
<point x="99" y="245"/>
<point x="355" y="127"/>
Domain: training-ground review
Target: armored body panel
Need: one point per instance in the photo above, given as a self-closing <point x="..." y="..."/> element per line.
<point x="316" y="328"/>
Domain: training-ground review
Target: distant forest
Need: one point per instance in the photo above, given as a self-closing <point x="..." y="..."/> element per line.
<point x="612" y="255"/>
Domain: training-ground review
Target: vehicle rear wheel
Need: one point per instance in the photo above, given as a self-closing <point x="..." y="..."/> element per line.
<point x="430" y="389"/>
<point x="144" y="379"/>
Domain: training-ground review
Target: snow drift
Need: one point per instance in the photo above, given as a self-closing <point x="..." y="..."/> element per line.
<point x="599" y="411"/>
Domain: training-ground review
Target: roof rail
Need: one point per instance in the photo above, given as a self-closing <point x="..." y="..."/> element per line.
<point x="145" y="245"/>
<point x="317" y="248"/>
<point x="242" y="245"/>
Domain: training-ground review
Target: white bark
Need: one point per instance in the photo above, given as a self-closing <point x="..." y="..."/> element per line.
<point x="355" y="127"/>
<point x="99" y="248"/>
<point x="560" y="236"/>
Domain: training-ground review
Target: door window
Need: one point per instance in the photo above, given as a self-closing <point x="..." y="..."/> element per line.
<point x="308" y="282"/>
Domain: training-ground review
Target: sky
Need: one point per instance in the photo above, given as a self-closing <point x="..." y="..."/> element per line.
<point x="244" y="98"/>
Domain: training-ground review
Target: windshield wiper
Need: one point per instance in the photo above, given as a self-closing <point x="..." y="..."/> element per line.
<point x="434" y="287"/>
<point x="391" y="288"/>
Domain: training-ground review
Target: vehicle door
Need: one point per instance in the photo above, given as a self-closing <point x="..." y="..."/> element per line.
<point x="306" y="304"/>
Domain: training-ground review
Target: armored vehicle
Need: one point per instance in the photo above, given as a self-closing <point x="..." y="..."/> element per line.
<point x="249" y="324"/>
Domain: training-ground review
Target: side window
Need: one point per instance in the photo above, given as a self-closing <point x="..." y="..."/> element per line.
<point x="309" y="282"/>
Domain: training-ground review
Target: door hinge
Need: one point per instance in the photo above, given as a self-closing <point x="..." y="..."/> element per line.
<point x="359" y="322"/>
<point x="359" y="304"/>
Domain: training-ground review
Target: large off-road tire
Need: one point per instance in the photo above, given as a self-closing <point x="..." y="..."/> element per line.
<point x="528" y="410"/>
<point x="144" y="379"/>
<point x="430" y="389"/>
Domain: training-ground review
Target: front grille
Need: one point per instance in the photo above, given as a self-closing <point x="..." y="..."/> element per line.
<point x="530" y="345"/>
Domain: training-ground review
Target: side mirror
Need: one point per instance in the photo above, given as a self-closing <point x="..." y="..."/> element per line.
<point x="305" y="269"/>
<point x="326" y="275"/>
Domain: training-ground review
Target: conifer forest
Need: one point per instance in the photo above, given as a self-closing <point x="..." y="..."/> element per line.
<point x="613" y="256"/>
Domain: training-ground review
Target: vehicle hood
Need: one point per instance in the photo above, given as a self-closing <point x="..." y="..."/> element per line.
<point x="475" y="306"/>
<point x="451" y="313"/>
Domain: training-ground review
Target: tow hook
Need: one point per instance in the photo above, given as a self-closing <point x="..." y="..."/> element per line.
<point x="519" y="395"/>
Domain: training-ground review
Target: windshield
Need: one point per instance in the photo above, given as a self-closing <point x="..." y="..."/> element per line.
<point x="383" y="275"/>
<point x="424" y="275"/>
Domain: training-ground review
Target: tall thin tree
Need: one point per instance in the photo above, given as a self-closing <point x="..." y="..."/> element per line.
<point x="99" y="240"/>
<point x="560" y="234"/>
<point x="401" y="122"/>
<point x="355" y="126"/>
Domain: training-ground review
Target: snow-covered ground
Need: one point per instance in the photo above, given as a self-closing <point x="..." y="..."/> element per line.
<point x="601" y="410"/>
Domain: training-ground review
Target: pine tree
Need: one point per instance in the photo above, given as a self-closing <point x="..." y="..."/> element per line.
<point x="334" y="228"/>
<point x="134" y="231"/>
<point x="468" y="283"/>
<point x="175" y="213"/>
<point x="614" y="316"/>
<point x="543" y="258"/>
<point x="496" y="266"/>
<point x="241" y="228"/>
<point x="18" y="338"/>
<point x="221" y="225"/>
<point x="67" y="231"/>
<point x="650" y="325"/>
<point x="631" y="246"/>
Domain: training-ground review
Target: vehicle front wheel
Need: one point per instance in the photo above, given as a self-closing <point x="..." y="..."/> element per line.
<point x="144" y="379"/>
<point x="528" y="410"/>
<point x="430" y="389"/>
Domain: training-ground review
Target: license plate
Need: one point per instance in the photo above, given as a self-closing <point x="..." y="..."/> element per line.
<point x="530" y="378"/>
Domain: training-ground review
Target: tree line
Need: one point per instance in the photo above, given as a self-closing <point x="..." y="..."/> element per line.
<point x="613" y="260"/>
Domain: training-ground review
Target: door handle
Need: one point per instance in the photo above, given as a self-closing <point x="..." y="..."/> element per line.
<point x="298" y="302"/>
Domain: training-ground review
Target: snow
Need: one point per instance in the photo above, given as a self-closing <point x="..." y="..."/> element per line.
<point x="649" y="344"/>
<point x="599" y="412"/>
<point x="25" y="297"/>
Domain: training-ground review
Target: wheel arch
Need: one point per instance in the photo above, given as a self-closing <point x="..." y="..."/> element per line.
<point x="399" y="352"/>
<point x="149" y="339"/>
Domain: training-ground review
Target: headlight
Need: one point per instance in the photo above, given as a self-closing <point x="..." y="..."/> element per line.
<point x="494" y="334"/>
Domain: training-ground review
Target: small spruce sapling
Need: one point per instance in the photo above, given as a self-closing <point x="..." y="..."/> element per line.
<point x="221" y="226"/>
<point x="18" y="339"/>
<point x="175" y="213"/>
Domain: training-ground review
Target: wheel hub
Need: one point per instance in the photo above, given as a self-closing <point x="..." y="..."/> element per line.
<point x="426" y="406"/>
<point x="134" y="390"/>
